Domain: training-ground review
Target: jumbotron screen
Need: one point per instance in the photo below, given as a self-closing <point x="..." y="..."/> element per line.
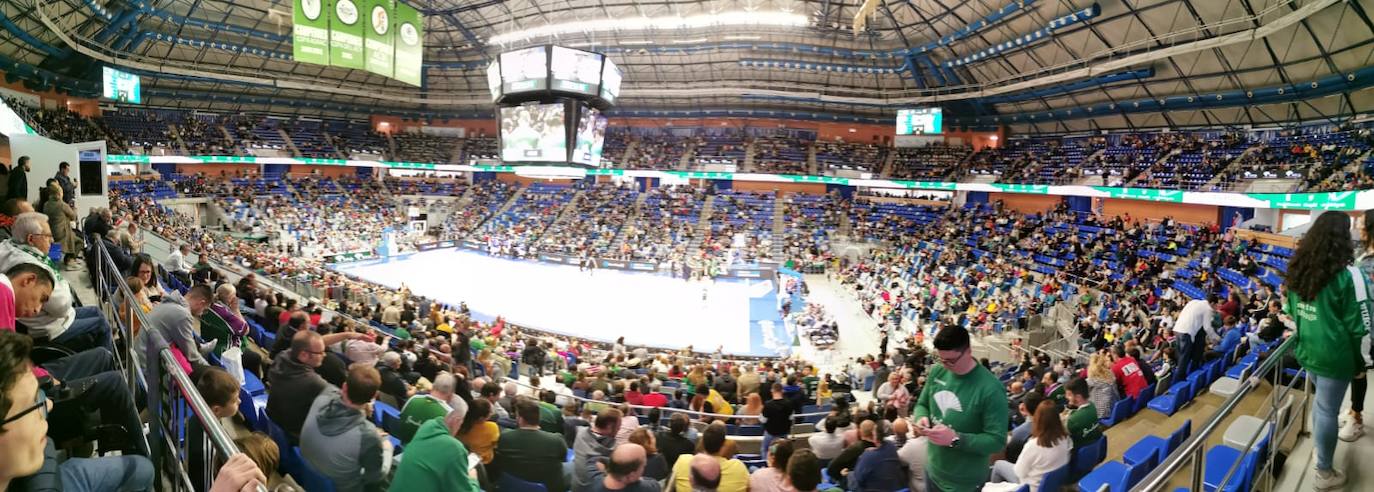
<point x="533" y="133"/>
<point x="591" y="137"/>
<point x="575" y="71"/>
<point x="922" y="121"/>
<point x="610" y="81"/>
<point x="122" y="86"/>
<point x="525" y="70"/>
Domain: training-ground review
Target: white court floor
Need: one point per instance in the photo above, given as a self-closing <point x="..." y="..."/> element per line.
<point x="647" y="309"/>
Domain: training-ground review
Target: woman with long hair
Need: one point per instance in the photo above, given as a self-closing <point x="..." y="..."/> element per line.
<point x="477" y="432"/>
<point x="1353" y="427"/>
<point x="1101" y="384"/>
<point x="1047" y="450"/>
<point x="753" y="407"/>
<point x="1329" y="300"/>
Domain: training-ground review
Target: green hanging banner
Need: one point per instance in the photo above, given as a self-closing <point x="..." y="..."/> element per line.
<point x="346" y="30"/>
<point x="409" y="30"/>
<point x="380" y="37"/>
<point x="310" y="31"/>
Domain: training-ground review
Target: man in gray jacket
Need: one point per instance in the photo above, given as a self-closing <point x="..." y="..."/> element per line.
<point x="338" y="439"/>
<point x="593" y="443"/>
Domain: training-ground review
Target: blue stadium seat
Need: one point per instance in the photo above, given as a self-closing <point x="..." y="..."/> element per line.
<point x="312" y="480"/>
<point x="1121" y="410"/>
<point x="1088" y="456"/>
<point x="1156" y="446"/>
<point x="1220" y="460"/>
<point x="1117" y="476"/>
<point x="749" y="430"/>
<point x="1143" y="399"/>
<point x="1170" y="402"/>
<point x="252" y="384"/>
<point x="509" y="483"/>
<point x="385" y="416"/>
<point x="1055" y="480"/>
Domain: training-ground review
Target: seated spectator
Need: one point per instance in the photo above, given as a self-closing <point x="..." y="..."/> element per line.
<point x="220" y="390"/>
<point x="1083" y="425"/>
<point x="655" y="466"/>
<point x="842" y="465"/>
<point x="59" y="321"/>
<point x="172" y="325"/>
<point x="435" y="459"/>
<point x="592" y="443"/>
<point x="879" y="468"/>
<point x="1129" y="376"/>
<point x="394" y="386"/>
<point x="30" y="459"/>
<point x="340" y="441"/>
<point x="423" y="407"/>
<point x="176" y="264"/>
<point x="829" y="444"/>
<point x="912" y="452"/>
<point x="478" y="432"/>
<point x="773" y="478"/>
<point x="674" y="442"/>
<point x="529" y="453"/>
<point x="1046" y="451"/>
<point x="295" y="384"/>
<point x="1021" y="433"/>
<point x="804" y="471"/>
<point x="732" y="476"/>
<point x="1102" y="384"/>
<point x="623" y="470"/>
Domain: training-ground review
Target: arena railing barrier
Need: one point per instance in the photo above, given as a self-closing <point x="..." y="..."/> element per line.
<point x="666" y="410"/>
<point x="172" y="399"/>
<point x="1275" y="425"/>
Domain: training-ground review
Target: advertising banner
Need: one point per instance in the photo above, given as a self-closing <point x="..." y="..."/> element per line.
<point x="379" y="37"/>
<point x="409" y="41"/>
<point x="346" y="29"/>
<point x="310" y="31"/>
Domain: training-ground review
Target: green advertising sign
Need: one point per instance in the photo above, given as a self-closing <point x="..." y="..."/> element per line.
<point x="409" y="34"/>
<point x="346" y="29"/>
<point x="1153" y="195"/>
<point x="310" y="31"/>
<point x="1022" y="188"/>
<point x="380" y="35"/>
<point x="926" y="185"/>
<point x="1344" y="200"/>
<point x="815" y="179"/>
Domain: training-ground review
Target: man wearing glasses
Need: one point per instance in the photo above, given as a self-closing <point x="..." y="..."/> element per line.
<point x="963" y="412"/>
<point x="59" y="321"/>
<point x="30" y="458"/>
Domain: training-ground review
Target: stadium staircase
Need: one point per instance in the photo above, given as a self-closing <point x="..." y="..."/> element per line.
<point x="565" y="213"/>
<point x="703" y="226"/>
<point x="685" y="162"/>
<point x="811" y="160"/>
<point x="885" y="168"/>
<point x="779" y="228"/>
<point x="229" y="141"/>
<point x="177" y="141"/>
<point x="635" y="211"/>
<point x="290" y="144"/>
<point x="1145" y="175"/>
<point x="1226" y="171"/>
<point x="391" y="147"/>
<point x="630" y="149"/>
<point x="748" y="165"/>
<point x="510" y="202"/>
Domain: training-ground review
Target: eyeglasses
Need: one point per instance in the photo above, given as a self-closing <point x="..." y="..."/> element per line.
<point x="955" y="360"/>
<point x="41" y="404"/>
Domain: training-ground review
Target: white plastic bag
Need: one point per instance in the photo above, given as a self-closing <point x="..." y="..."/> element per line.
<point x="233" y="362"/>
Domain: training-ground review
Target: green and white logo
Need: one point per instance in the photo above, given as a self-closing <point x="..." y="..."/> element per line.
<point x="346" y="12"/>
<point x="409" y="35"/>
<point x="312" y="8"/>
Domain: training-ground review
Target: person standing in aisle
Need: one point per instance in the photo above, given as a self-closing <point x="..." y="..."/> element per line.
<point x="1329" y="300"/>
<point x="962" y="410"/>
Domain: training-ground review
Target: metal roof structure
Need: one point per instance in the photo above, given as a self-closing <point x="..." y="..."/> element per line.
<point x="1040" y="66"/>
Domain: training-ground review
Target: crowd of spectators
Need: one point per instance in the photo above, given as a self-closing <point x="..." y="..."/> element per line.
<point x="784" y="155"/>
<point x="929" y="163"/>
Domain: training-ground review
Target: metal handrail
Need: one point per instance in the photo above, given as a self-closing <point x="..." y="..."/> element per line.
<point x="1192" y="448"/>
<point x="110" y="279"/>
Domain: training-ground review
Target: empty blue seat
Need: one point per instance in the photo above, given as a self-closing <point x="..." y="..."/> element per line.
<point x="253" y="384"/>
<point x="308" y="477"/>
<point x="1143" y="399"/>
<point x="1087" y="456"/>
<point x="750" y="430"/>
<point x="1156" y="446"/>
<point x="1115" y="475"/>
<point x="1170" y="402"/>
<point x="509" y="483"/>
<point x="385" y="416"/>
<point x="1220" y="459"/>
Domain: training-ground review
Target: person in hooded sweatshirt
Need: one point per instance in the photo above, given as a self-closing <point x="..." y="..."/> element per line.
<point x="340" y="442"/>
<point x="593" y="443"/>
<point x="435" y="459"/>
<point x="295" y="382"/>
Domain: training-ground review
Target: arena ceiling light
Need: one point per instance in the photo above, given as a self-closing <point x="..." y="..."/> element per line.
<point x="713" y="20"/>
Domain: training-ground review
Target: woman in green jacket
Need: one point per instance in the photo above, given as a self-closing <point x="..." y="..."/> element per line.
<point x="1328" y="298"/>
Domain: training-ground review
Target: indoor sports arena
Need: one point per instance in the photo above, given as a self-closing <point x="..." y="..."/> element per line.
<point x="686" y="245"/>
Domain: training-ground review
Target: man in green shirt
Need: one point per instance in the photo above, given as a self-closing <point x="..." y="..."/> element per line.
<point x="421" y="408"/>
<point x="963" y="412"/>
<point x="436" y="460"/>
<point x="1083" y="425"/>
<point x="528" y="453"/>
<point x="550" y="416"/>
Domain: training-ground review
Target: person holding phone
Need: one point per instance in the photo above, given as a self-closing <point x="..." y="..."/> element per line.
<point x="962" y="411"/>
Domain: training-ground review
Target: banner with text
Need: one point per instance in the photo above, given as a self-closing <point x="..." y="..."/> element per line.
<point x="380" y="35"/>
<point x="310" y="31"/>
<point x="346" y="30"/>
<point x="409" y="41"/>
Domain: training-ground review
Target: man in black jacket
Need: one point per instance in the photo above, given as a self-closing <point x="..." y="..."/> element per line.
<point x="19" y="180"/>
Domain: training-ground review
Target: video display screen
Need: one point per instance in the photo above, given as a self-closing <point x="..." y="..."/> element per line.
<point x="494" y="79"/>
<point x="525" y="70"/>
<point x="591" y="137"/>
<point x="610" y="81"/>
<point x="122" y="86"/>
<point x="575" y="71"/>
<point x="533" y="132"/>
<point x="923" y="121"/>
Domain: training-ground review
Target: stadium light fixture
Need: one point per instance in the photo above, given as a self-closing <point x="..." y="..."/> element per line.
<point x="668" y="23"/>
